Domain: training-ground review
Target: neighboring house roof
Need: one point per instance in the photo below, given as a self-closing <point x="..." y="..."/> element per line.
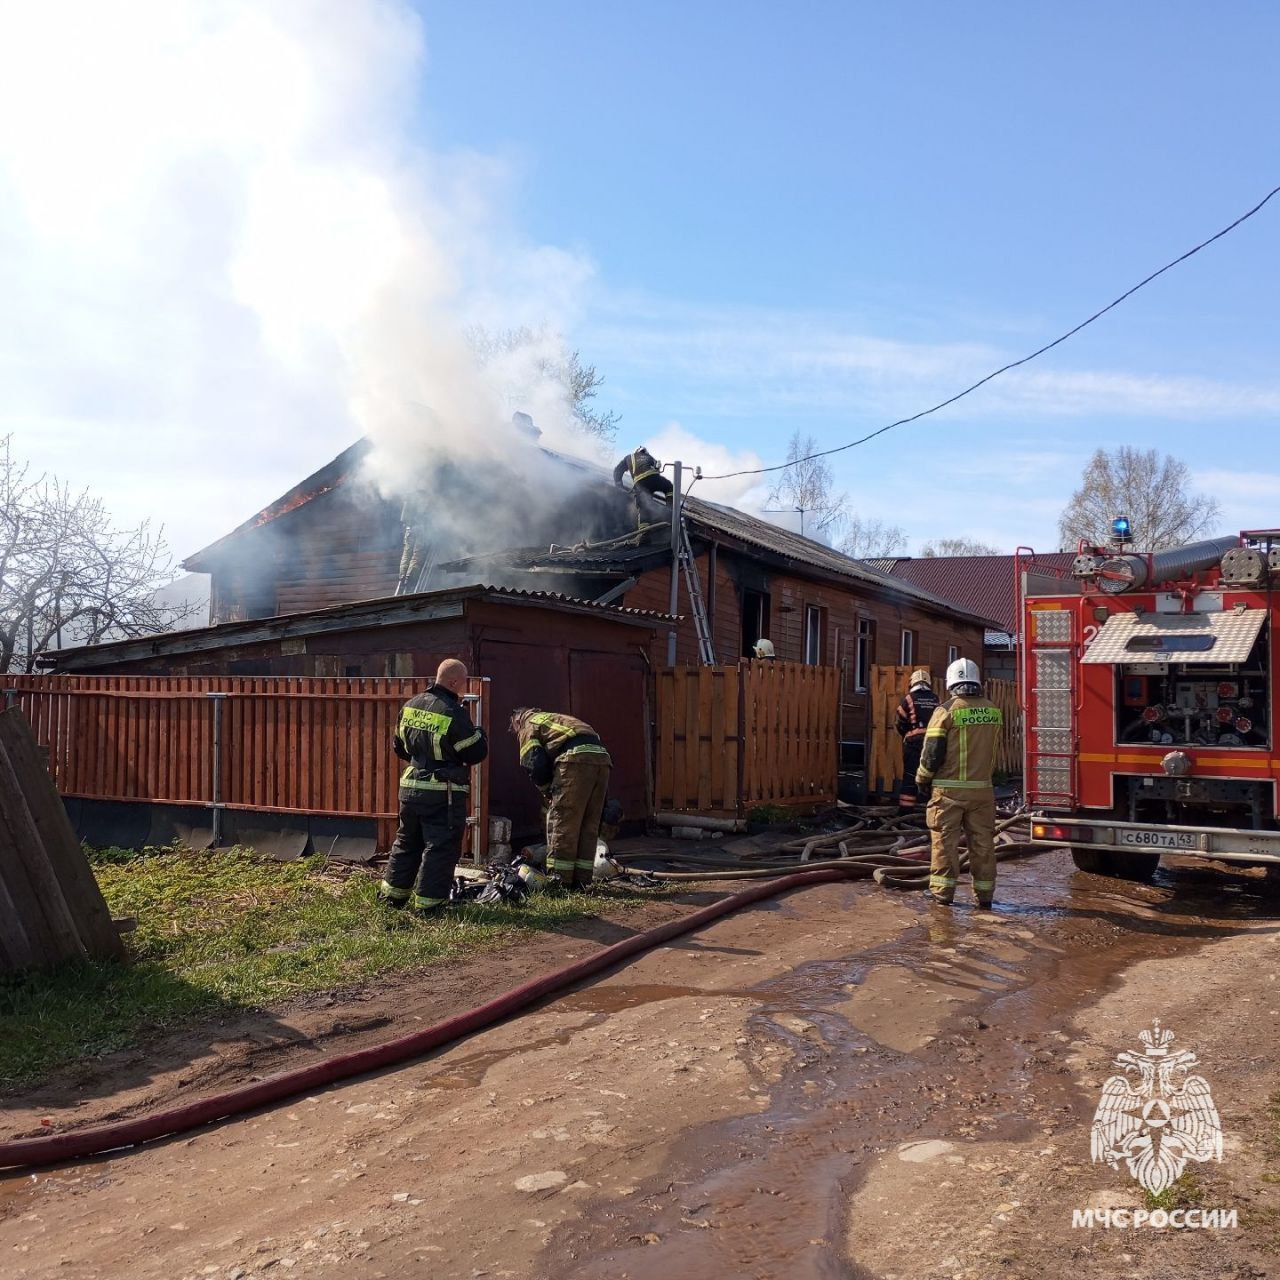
<point x="389" y="611"/>
<point x="982" y="584"/>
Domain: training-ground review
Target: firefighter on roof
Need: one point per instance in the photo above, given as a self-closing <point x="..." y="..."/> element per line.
<point x="565" y="757"/>
<point x="960" y="747"/>
<point x="646" y="473"/>
<point x="435" y="735"/>
<point x="911" y="721"/>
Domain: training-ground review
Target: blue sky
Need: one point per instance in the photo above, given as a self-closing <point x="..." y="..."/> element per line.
<point x="754" y="218"/>
<point x="824" y="216"/>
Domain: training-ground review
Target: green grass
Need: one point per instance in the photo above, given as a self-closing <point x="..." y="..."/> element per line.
<point x="1186" y="1193"/>
<point x="226" y="931"/>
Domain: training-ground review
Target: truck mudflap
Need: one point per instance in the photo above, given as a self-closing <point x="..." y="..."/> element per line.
<point x="1222" y="844"/>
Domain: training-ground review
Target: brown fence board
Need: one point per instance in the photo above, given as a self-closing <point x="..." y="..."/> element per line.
<point x="884" y="751"/>
<point x="730" y="738"/>
<point x="290" y="745"/>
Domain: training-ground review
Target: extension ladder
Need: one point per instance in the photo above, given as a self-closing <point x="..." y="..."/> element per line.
<point x="701" y="623"/>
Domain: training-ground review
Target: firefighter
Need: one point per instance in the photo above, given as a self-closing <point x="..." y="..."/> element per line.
<point x="960" y="747"/>
<point x="566" y="760"/>
<point x="437" y="739"/>
<point x="911" y="721"/>
<point x="646" y="473"/>
<point x="763" y="650"/>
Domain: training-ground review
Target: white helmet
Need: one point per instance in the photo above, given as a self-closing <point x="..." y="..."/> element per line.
<point x="764" y="649"/>
<point x="963" y="671"/>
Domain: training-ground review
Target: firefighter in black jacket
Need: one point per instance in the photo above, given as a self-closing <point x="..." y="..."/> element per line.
<point x="646" y="473"/>
<point x="911" y="721"/>
<point x="435" y="735"/>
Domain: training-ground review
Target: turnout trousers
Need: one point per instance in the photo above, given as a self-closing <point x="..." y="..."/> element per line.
<point x="953" y="813"/>
<point x="573" y="818"/>
<point x="909" y="791"/>
<point x="428" y="843"/>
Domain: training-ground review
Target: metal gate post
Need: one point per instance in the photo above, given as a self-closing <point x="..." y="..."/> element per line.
<point x="215" y="803"/>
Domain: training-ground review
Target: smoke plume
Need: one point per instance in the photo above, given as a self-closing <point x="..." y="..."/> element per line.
<point x="225" y="253"/>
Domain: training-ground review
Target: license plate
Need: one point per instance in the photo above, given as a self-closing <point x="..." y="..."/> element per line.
<point x="1159" y="839"/>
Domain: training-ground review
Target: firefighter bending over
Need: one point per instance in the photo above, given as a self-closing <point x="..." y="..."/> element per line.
<point x="960" y="747"/>
<point x="911" y="721"/>
<point x="646" y="473"/>
<point x="567" y="761"/>
<point x="435" y="735"/>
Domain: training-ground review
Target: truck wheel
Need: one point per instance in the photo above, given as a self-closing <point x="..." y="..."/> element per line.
<point x="1123" y="866"/>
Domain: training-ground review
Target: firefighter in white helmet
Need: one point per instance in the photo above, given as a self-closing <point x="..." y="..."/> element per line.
<point x="763" y="649"/>
<point x="960" y="749"/>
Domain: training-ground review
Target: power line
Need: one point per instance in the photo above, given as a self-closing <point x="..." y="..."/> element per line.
<point x="1013" y="364"/>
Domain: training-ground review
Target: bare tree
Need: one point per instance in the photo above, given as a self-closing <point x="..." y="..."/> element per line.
<point x="1152" y="489"/>
<point x="67" y="574"/>
<point x="808" y="487"/>
<point x="872" y="539"/>
<point x="549" y="359"/>
<point x="958" y="547"/>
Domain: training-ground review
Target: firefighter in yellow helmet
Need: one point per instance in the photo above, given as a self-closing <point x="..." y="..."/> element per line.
<point x="911" y="720"/>
<point x="566" y="760"/>
<point x="960" y="749"/>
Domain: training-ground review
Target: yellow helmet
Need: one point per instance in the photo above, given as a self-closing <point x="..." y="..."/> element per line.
<point x="918" y="677"/>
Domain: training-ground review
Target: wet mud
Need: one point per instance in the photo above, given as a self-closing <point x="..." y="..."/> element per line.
<point x="955" y="1026"/>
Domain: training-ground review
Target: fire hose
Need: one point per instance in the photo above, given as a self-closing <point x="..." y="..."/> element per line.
<point x="888" y="867"/>
<point x="53" y="1148"/>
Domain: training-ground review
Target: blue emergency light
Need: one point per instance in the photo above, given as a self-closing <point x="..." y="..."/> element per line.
<point x="1120" y="529"/>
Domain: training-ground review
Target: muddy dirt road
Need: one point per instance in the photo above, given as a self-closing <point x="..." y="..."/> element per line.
<point x="843" y="1082"/>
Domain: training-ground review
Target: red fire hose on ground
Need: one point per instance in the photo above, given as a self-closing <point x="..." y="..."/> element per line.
<point x="58" y="1147"/>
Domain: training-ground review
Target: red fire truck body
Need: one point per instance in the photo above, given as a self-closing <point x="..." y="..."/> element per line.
<point x="1149" y="696"/>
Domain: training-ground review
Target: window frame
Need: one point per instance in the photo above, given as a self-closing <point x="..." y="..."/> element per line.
<point x="864" y="655"/>
<point x="815" y="630"/>
<point x="907" y="644"/>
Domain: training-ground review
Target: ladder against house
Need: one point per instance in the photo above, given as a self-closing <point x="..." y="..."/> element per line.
<point x="1051" y="729"/>
<point x="701" y="623"/>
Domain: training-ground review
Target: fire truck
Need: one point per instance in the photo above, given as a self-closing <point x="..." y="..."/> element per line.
<point x="1150" y="703"/>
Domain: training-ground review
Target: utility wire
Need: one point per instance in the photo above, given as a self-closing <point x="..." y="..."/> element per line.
<point x="1048" y="346"/>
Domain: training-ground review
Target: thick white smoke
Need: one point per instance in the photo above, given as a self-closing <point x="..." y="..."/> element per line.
<point x="224" y="254"/>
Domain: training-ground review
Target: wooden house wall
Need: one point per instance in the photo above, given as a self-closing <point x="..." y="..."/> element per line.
<point x="789" y="596"/>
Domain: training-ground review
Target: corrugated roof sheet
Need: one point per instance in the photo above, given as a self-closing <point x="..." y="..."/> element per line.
<point x="1204" y="637"/>
<point x="355" y="616"/>
<point x="982" y="584"/>
<point x="805" y="551"/>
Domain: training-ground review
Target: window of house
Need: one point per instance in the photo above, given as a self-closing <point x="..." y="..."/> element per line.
<point x="815" y="630"/>
<point x="907" y="656"/>
<point x="865" y="654"/>
<point x="755" y="620"/>
<point x="953" y="652"/>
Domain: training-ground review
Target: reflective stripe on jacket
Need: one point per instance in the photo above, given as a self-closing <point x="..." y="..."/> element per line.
<point x="436" y="736"/>
<point x="559" y="735"/>
<point x="961" y="743"/>
<point x="914" y="712"/>
<point x="641" y="464"/>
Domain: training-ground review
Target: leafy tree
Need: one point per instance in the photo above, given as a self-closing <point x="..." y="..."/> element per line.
<point x="67" y="574"/>
<point x="958" y="547"/>
<point x="1151" y="488"/>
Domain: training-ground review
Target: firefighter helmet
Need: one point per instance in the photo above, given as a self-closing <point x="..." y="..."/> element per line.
<point x="963" y="671"/>
<point x="764" y="649"/>
<point x="918" y="677"/>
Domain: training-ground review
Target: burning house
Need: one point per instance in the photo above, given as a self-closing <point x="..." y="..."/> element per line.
<point x="557" y="525"/>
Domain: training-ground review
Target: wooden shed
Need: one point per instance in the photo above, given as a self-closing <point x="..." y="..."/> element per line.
<point x="536" y="649"/>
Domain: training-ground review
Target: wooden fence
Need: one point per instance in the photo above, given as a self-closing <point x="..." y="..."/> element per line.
<point x="302" y="745"/>
<point x="884" y="756"/>
<point x="730" y="738"/>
